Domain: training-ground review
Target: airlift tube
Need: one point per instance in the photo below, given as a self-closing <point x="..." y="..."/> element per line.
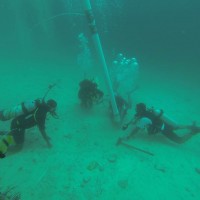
<point x="97" y="42"/>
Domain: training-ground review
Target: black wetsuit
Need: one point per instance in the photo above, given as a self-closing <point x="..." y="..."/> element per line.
<point x="89" y="93"/>
<point x="159" y="126"/>
<point x="26" y="121"/>
<point x="157" y="123"/>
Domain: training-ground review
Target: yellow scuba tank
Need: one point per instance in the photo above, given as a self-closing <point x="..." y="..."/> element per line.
<point x="164" y="117"/>
<point x="5" y="142"/>
<point x="23" y="108"/>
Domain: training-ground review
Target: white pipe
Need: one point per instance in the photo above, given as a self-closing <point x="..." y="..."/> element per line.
<point x="97" y="42"/>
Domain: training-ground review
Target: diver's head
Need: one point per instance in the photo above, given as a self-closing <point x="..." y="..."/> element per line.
<point x="52" y="105"/>
<point x="140" y="109"/>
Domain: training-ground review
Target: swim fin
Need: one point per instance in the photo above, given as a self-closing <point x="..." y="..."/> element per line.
<point x="194" y="129"/>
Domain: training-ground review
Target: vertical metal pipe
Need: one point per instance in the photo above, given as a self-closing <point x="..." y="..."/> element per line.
<point x="97" y="42"/>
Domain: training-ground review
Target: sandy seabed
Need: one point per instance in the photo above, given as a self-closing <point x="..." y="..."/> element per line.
<point x="84" y="162"/>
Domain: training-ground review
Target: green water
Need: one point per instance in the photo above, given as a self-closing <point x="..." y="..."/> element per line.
<point x="39" y="46"/>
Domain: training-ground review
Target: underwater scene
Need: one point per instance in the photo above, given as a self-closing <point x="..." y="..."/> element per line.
<point x="100" y="100"/>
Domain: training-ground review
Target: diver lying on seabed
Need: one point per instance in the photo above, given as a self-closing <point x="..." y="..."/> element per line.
<point x="156" y="121"/>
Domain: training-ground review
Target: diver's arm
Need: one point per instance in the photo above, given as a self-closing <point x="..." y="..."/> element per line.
<point x="132" y="133"/>
<point x="40" y="117"/>
<point x="45" y="136"/>
<point x="132" y="121"/>
<point x="129" y="136"/>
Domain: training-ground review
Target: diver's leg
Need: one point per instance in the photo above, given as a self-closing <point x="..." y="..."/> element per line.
<point x="19" y="136"/>
<point x="193" y="128"/>
<point x="170" y="134"/>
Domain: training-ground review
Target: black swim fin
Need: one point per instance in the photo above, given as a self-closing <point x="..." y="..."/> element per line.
<point x="194" y="129"/>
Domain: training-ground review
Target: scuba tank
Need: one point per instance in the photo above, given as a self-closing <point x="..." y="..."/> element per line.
<point x="23" y="108"/>
<point x="20" y="109"/>
<point x="5" y="143"/>
<point x="159" y="113"/>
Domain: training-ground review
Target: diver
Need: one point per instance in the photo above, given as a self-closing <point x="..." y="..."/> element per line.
<point x="156" y="121"/>
<point x="89" y="93"/>
<point x="15" y="138"/>
<point x="122" y="105"/>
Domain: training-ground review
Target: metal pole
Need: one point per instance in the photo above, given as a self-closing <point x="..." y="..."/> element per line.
<point x="97" y="42"/>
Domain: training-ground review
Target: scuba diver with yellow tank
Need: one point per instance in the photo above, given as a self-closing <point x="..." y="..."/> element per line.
<point x="25" y="116"/>
<point x="156" y="121"/>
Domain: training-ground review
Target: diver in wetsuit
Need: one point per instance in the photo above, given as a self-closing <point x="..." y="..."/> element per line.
<point x="26" y="121"/>
<point x="155" y="121"/>
<point x="89" y="93"/>
<point x="122" y="105"/>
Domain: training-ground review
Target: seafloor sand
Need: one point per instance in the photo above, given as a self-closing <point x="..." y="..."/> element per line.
<point x="84" y="162"/>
